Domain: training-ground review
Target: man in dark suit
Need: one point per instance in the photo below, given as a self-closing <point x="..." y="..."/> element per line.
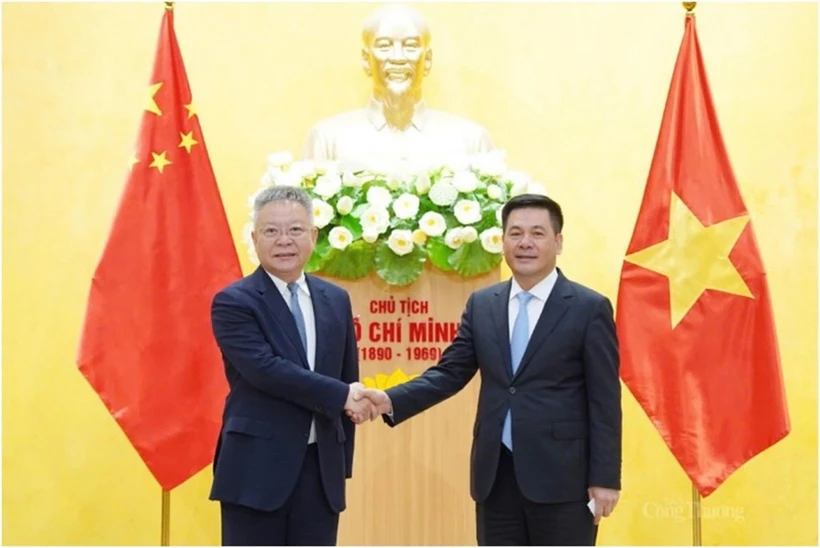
<point x="547" y="434"/>
<point x="289" y="347"/>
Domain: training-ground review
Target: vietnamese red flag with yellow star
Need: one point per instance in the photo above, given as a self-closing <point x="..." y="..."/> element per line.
<point x="146" y="346"/>
<point x="698" y="344"/>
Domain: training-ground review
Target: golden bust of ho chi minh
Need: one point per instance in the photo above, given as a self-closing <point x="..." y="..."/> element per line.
<point x="397" y="125"/>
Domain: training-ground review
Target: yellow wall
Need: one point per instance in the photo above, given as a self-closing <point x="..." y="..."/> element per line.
<point x="573" y="92"/>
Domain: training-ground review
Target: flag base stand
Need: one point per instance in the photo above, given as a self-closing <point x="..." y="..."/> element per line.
<point x="165" y="527"/>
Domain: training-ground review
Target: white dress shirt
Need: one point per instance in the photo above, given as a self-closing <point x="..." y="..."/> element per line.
<point x="306" y="305"/>
<point x="540" y="292"/>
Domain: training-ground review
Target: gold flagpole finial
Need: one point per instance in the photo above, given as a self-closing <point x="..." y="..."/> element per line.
<point x="170" y="6"/>
<point x="689" y="6"/>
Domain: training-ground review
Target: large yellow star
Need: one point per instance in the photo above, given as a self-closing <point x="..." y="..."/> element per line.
<point x="694" y="258"/>
<point x="152" y="105"/>
<point x="160" y="161"/>
<point x="188" y="141"/>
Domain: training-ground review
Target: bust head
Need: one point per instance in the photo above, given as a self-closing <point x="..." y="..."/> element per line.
<point x="396" y="52"/>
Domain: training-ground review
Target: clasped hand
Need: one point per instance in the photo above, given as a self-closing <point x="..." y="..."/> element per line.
<point x="364" y="404"/>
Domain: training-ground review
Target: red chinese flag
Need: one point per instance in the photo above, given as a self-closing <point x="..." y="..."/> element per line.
<point x="147" y="347"/>
<point x="698" y="343"/>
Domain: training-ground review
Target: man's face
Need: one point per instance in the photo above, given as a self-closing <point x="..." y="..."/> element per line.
<point x="530" y="244"/>
<point x="396" y="58"/>
<point x="284" y="238"/>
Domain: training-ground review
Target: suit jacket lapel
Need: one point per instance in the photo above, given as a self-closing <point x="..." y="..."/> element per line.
<point x="556" y="306"/>
<point x="500" y="313"/>
<point x="281" y="312"/>
<point x="323" y="316"/>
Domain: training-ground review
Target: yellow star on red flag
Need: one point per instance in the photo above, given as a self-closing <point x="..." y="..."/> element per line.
<point x="694" y="258"/>
<point x="152" y="104"/>
<point x="160" y="161"/>
<point x="187" y="141"/>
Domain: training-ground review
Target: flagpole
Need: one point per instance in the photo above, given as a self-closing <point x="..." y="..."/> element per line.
<point x="165" y="523"/>
<point x="165" y="527"/>
<point x="696" y="523"/>
<point x="696" y="537"/>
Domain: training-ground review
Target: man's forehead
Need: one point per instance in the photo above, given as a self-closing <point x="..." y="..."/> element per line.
<point x="392" y="27"/>
<point x="529" y="215"/>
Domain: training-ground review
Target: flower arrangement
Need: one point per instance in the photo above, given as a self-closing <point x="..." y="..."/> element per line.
<point x="393" y="219"/>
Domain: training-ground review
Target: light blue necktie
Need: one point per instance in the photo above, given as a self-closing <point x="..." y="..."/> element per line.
<point x="518" y="344"/>
<point x="297" y="313"/>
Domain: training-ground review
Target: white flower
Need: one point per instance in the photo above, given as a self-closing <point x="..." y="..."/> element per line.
<point x="491" y="164"/>
<point x="328" y="185"/>
<point x="536" y="188"/>
<point x="339" y="237"/>
<point x="325" y="167"/>
<point x="469" y="234"/>
<point x="247" y="237"/>
<point x="375" y="219"/>
<point x="344" y="205"/>
<point x="467" y="212"/>
<point x="494" y="192"/>
<point x="287" y="178"/>
<point x="458" y="163"/>
<point x="443" y="193"/>
<point x="370" y="236"/>
<point x="280" y="159"/>
<point x="252" y="200"/>
<point x="351" y="179"/>
<point x="396" y="180"/>
<point x="422" y="184"/>
<point x="465" y="181"/>
<point x="400" y="242"/>
<point x="432" y="223"/>
<point x="266" y="180"/>
<point x="406" y="206"/>
<point x="419" y="236"/>
<point x="304" y="169"/>
<point x="379" y="196"/>
<point x="491" y="240"/>
<point x="454" y="238"/>
<point x="519" y="181"/>
<point x="322" y="213"/>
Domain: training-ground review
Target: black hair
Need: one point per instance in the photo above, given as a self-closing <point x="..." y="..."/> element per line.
<point x="537" y="201"/>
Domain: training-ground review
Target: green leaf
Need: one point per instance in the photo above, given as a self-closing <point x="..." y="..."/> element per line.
<point x="353" y="224"/>
<point x="317" y="259"/>
<point x="352" y="263"/>
<point x="358" y="210"/>
<point x="471" y="260"/>
<point x="439" y="253"/>
<point x="488" y="219"/>
<point x="399" y="270"/>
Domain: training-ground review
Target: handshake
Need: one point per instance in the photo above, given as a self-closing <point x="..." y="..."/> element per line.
<point x="364" y="404"/>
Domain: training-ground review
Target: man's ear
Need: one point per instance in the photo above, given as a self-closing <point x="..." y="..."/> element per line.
<point x="366" y="62"/>
<point x="428" y="61"/>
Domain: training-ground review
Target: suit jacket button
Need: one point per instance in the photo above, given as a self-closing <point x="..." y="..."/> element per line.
<point x="512" y="390"/>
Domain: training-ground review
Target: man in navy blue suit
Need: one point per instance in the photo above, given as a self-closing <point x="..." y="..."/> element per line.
<point x="547" y="433"/>
<point x="288" y="342"/>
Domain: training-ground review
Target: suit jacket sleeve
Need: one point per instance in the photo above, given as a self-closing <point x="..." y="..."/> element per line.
<point x="350" y="374"/>
<point x="457" y="366"/>
<point x="601" y="363"/>
<point x="241" y="340"/>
